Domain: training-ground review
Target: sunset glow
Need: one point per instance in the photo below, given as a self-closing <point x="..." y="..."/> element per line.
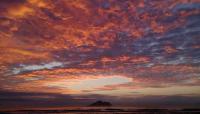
<point x="129" y="52"/>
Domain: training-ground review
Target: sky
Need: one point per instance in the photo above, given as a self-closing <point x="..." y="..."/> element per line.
<point x="138" y="53"/>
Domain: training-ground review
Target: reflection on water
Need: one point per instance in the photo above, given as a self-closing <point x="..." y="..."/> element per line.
<point x="105" y="110"/>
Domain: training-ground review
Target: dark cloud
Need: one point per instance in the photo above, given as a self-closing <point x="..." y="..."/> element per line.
<point x="5" y="4"/>
<point x="186" y="7"/>
<point x="42" y="100"/>
<point x="28" y="99"/>
<point x="12" y="1"/>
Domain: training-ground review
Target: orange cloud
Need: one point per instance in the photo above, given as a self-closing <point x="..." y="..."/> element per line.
<point x="92" y="38"/>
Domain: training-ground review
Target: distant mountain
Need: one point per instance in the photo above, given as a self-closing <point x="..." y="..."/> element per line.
<point x="101" y="104"/>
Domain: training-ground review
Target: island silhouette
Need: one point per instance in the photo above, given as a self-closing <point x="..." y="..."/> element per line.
<point x="101" y="104"/>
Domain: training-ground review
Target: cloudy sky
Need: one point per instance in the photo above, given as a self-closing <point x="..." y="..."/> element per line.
<point x="140" y="53"/>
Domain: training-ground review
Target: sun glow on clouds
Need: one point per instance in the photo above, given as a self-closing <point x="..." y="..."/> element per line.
<point x="108" y="47"/>
<point x="24" y="9"/>
<point x="87" y="84"/>
<point x="20" y="11"/>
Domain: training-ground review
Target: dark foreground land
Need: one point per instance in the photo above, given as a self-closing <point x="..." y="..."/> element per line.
<point x="106" y="111"/>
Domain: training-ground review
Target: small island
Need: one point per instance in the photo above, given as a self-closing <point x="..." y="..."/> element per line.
<point x="100" y="104"/>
